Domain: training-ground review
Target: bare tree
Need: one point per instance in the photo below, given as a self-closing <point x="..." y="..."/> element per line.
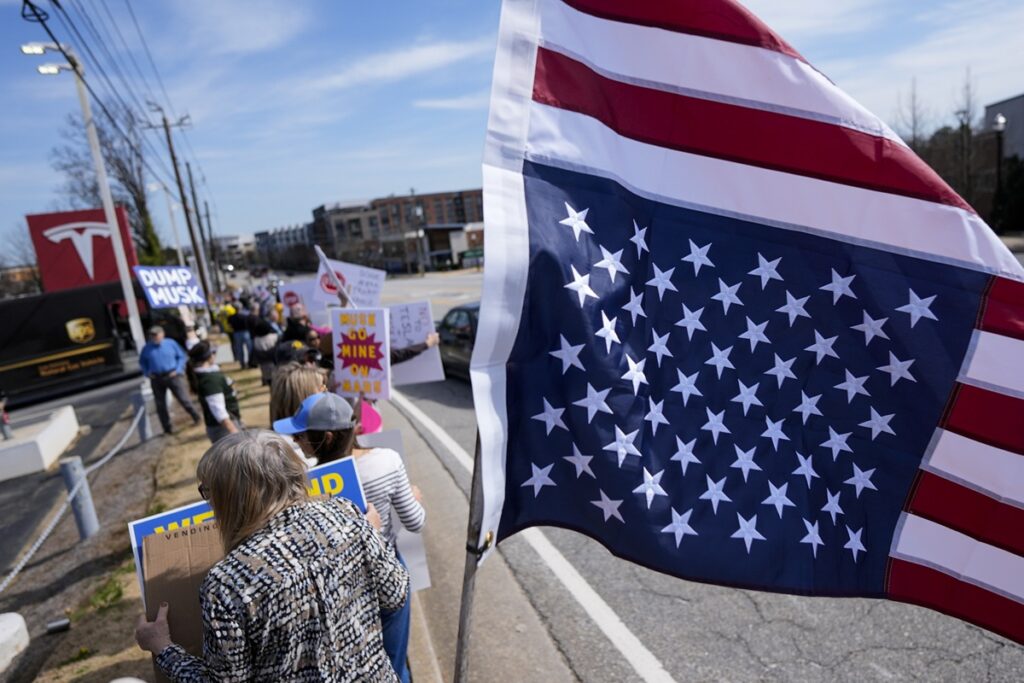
<point x="911" y="119"/>
<point x="17" y="254"/>
<point x="966" y="115"/>
<point x="124" y="160"/>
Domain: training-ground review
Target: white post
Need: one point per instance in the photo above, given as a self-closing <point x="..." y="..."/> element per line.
<point x="174" y="224"/>
<point x="127" y="290"/>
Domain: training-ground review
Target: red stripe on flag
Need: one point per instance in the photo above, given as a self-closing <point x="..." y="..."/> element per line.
<point x="740" y="134"/>
<point x="920" y="585"/>
<point x="1004" y="308"/>
<point x="969" y="512"/>
<point x="987" y="416"/>
<point x="719" y="19"/>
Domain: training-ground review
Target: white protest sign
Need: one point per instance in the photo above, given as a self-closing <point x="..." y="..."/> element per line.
<point x="363" y="285"/>
<point x="169" y="286"/>
<point x="410" y="544"/>
<point x="362" y="348"/>
<point x="303" y="292"/>
<point x="410" y="325"/>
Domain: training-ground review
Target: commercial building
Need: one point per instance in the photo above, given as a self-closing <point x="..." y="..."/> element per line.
<point x="399" y="233"/>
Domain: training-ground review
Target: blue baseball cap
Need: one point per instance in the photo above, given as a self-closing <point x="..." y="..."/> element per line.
<point x="323" y="412"/>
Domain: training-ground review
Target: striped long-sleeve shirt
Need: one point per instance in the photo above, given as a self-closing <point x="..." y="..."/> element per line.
<point x="386" y="485"/>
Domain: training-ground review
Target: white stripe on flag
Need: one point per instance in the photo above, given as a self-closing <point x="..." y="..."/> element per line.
<point x="905" y="225"/>
<point x="743" y="74"/>
<point x="976" y="465"/>
<point x="996" y="362"/>
<point x="926" y="543"/>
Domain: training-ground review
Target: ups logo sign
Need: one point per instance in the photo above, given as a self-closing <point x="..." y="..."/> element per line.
<point x="80" y="330"/>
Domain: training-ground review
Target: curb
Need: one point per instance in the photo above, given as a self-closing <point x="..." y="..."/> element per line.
<point x="13" y="638"/>
<point x="423" y="659"/>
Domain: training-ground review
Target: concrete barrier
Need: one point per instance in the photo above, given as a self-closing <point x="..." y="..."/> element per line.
<point x="13" y="638"/>
<point x="37" y="443"/>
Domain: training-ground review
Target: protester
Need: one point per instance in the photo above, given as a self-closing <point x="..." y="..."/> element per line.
<point x="191" y="336"/>
<point x="298" y="596"/>
<point x="216" y="393"/>
<point x="241" y="338"/>
<point x="409" y="352"/>
<point x="325" y="428"/>
<point x="266" y="333"/>
<point x="293" y="382"/>
<point x="298" y="325"/>
<point x="5" y="418"/>
<point x="162" y="361"/>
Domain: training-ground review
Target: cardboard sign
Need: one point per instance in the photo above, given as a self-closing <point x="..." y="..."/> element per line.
<point x="362" y="355"/>
<point x="170" y="286"/>
<point x="411" y="324"/>
<point x="363" y="285"/>
<point x="176" y="563"/>
<point x="74" y="248"/>
<point x="410" y="544"/>
<point x="338" y="479"/>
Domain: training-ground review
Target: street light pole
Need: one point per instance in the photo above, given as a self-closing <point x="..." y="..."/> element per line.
<point x="127" y="289"/>
<point x="999" y="123"/>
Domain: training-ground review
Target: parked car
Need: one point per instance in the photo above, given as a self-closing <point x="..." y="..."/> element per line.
<point x="457" y="331"/>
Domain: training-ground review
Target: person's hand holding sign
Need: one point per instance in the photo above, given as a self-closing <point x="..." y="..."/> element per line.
<point x="153" y="636"/>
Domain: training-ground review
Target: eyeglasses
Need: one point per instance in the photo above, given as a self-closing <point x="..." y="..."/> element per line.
<point x="204" y="492"/>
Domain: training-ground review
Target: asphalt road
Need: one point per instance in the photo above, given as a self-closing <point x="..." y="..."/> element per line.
<point x="702" y="632"/>
<point x="26" y="502"/>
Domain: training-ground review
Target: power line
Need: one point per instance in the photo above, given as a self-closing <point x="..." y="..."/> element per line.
<point x="65" y="19"/>
<point x="32" y="13"/>
<point x="167" y="99"/>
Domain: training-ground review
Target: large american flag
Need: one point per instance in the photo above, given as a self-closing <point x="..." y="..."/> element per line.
<point x="732" y="327"/>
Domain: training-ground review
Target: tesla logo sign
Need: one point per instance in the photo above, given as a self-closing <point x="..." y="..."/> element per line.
<point x="81" y="236"/>
<point x="75" y="249"/>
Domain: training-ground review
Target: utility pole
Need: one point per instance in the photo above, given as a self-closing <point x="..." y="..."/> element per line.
<point x="197" y="245"/>
<point x="209" y="228"/>
<point x="207" y="237"/>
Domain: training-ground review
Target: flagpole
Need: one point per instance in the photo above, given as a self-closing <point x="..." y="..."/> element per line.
<point x="473" y="555"/>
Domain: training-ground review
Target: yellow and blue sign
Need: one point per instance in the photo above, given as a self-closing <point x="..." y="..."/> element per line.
<point x="338" y="479"/>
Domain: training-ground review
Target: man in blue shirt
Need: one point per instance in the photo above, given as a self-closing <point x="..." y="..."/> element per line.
<point x="163" y="362"/>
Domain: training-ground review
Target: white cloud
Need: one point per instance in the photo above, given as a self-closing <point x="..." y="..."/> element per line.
<point x="242" y="26"/>
<point x="396" y="65"/>
<point x="478" y="100"/>
<point x="795" y="20"/>
<point x="967" y="34"/>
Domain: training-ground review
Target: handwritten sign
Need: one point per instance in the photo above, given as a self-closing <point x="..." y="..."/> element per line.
<point x="410" y="325"/>
<point x="338" y="479"/>
<point x="363" y="285"/>
<point x="362" y="355"/>
<point x="170" y="286"/>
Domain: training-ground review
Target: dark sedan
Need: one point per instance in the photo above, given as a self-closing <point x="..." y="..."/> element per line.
<point x="457" y="331"/>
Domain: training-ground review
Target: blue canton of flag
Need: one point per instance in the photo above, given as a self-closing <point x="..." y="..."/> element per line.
<point x="719" y="399"/>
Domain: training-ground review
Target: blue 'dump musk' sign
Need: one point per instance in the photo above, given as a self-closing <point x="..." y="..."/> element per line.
<point x="170" y="286"/>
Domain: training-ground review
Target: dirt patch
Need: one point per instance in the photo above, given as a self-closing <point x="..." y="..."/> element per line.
<point x="93" y="582"/>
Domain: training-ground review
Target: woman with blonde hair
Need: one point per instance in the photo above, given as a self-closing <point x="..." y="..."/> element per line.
<point x="292" y="384"/>
<point x="299" y="594"/>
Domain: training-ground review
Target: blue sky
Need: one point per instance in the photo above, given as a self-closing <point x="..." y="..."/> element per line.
<point x="299" y="103"/>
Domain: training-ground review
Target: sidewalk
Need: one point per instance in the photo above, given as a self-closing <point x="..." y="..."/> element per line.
<point x="100" y="646"/>
<point x="509" y="641"/>
<point x="94" y="583"/>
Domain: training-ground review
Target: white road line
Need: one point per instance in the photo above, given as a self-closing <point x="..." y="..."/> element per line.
<point x="604" y="617"/>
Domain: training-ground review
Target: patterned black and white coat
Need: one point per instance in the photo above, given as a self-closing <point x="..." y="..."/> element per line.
<point x="299" y="600"/>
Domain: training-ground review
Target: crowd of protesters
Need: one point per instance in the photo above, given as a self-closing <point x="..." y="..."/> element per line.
<point x="301" y="575"/>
